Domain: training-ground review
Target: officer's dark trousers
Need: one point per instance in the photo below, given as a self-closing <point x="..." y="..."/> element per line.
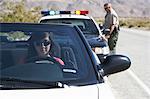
<point x="112" y="41"/>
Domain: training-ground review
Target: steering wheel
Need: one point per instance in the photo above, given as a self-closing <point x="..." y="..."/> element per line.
<point x="42" y="59"/>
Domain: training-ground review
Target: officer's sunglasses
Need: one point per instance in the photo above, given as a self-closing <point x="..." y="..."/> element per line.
<point x="106" y="8"/>
<point x="41" y="43"/>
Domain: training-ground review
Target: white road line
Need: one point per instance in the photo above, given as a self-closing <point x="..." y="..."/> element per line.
<point x="146" y="89"/>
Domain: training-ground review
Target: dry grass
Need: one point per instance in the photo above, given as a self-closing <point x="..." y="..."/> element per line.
<point x="143" y="23"/>
<point x="139" y="23"/>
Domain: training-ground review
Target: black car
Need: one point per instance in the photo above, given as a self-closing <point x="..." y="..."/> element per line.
<point x="81" y="68"/>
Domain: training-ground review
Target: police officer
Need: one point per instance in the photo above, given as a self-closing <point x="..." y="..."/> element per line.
<point x="111" y="22"/>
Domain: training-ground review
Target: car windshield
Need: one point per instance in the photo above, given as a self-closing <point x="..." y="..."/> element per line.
<point x="87" y="26"/>
<point x="67" y="62"/>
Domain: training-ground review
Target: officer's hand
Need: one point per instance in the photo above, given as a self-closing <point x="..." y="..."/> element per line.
<point x="107" y="36"/>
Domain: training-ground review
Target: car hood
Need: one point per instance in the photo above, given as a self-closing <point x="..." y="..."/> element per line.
<point x="99" y="91"/>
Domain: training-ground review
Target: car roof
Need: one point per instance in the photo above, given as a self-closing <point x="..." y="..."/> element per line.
<point x="34" y="27"/>
<point x="74" y="16"/>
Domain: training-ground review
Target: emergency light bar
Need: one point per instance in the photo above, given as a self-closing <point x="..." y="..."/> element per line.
<point x="51" y="12"/>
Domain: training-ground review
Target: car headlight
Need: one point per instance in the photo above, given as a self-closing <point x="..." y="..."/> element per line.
<point x="99" y="50"/>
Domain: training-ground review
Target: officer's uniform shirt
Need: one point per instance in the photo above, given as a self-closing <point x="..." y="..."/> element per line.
<point x="111" y="19"/>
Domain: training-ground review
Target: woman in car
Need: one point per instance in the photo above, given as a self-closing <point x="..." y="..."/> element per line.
<point x="40" y="47"/>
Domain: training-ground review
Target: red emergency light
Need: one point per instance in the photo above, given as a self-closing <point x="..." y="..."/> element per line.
<point x="81" y="12"/>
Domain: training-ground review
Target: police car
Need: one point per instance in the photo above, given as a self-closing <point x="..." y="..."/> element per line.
<point x="86" y="23"/>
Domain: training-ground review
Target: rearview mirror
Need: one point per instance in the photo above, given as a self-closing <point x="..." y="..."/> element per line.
<point x="115" y="63"/>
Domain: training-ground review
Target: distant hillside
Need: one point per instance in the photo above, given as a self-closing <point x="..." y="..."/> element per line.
<point x="124" y="8"/>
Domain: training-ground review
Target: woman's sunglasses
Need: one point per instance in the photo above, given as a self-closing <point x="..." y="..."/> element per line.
<point x="41" y="43"/>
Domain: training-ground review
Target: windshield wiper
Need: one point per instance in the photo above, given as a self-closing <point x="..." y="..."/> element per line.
<point x="14" y="83"/>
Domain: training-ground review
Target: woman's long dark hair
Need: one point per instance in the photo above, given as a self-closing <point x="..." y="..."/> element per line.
<point x="37" y="37"/>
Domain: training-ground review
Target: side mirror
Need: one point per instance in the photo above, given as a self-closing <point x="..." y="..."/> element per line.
<point x="115" y="63"/>
<point x="101" y="26"/>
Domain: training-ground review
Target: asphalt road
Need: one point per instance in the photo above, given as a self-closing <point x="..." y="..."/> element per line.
<point x="135" y="82"/>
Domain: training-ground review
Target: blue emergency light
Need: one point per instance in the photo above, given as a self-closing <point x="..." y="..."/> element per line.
<point x="45" y="13"/>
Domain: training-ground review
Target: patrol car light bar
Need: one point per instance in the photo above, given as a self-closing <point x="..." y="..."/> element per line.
<point x="78" y="12"/>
